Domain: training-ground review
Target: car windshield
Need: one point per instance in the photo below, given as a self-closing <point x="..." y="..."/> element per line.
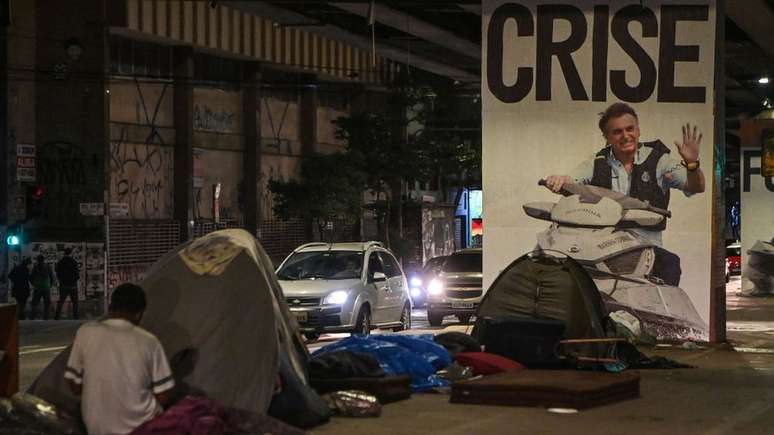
<point x="463" y="263"/>
<point x="434" y="264"/>
<point x="733" y="251"/>
<point x="322" y="265"/>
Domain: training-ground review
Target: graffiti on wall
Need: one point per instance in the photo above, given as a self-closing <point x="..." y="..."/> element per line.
<point x="205" y="118"/>
<point x="121" y="274"/>
<point x="90" y="257"/>
<point x="141" y="170"/>
<point x="141" y="176"/>
<point x="65" y="170"/>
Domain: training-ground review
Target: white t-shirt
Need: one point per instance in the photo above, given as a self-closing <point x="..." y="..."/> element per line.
<point x="120" y="367"/>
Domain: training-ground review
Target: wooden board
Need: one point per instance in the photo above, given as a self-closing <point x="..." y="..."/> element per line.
<point x="548" y="388"/>
<point x="9" y="344"/>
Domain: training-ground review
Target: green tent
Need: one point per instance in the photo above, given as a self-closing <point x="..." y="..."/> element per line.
<point x="538" y="285"/>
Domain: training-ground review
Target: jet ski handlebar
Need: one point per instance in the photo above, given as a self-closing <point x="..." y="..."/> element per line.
<point x="646" y="205"/>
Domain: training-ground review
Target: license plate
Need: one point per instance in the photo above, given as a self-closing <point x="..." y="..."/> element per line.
<point x="462" y="304"/>
<point x="301" y="316"/>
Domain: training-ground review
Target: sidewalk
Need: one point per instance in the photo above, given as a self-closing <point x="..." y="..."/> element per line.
<point x="729" y="393"/>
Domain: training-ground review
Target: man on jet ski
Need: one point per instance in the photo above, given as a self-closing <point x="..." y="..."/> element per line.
<point x="643" y="170"/>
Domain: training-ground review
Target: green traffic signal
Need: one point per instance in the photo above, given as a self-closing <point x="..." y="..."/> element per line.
<point x="13" y="240"/>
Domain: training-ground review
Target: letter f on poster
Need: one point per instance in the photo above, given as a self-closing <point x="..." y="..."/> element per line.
<point x="609" y="105"/>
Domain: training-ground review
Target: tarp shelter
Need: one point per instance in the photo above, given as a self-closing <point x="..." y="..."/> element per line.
<point x="218" y="310"/>
<point x="538" y="285"/>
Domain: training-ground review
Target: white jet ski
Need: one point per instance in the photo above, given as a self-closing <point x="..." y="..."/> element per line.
<point x="594" y="226"/>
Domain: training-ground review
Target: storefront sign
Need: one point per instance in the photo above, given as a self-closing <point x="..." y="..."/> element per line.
<point x="25" y="163"/>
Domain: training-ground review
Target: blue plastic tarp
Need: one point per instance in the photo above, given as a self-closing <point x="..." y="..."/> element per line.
<point x="415" y="355"/>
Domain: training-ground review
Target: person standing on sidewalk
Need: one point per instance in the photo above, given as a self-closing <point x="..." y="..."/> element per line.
<point x="68" y="273"/>
<point x="20" y="286"/>
<point x="42" y="278"/>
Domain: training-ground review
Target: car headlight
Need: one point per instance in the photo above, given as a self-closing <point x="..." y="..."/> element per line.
<point x="416" y="292"/>
<point x="415" y="281"/>
<point x="435" y="287"/>
<point x="336" y="298"/>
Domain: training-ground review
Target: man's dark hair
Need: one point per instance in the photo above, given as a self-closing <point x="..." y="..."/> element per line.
<point x="128" y="298"/>
<point x="614" y="111"/>
<point x="40" y="258"/>
<point x="68" y="251"/>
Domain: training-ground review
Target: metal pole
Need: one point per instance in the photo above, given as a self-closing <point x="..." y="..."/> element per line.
<point x="106" y="216"/>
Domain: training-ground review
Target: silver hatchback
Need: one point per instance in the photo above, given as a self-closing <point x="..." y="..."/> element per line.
<point x="345" y="287"/>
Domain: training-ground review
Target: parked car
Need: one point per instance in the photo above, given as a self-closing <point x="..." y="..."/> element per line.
<point x="457" y="290"/>
<point x="733" y="260"/>
<point x="345" y="287"/>
<point x="419" y="279"/>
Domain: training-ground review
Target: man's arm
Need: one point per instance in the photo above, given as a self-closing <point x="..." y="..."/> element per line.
<point x="689" y="151"/>
<point x="694" y="182"/>
<point x="582" y="174"/>
<point x="162" y="380"/>
<point x="74" y="368"/>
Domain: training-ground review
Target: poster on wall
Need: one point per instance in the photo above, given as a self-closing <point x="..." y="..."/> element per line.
<point x="90" y="258"/>
<point x="610" y="104"/>
<point x="757" y="216"/>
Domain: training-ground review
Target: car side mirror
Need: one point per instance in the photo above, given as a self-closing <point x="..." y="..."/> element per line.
<point x="379" y="276"/>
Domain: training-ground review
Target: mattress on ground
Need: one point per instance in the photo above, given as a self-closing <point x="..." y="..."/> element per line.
<point x="386" y="389"/>
<point x="548" y="388"/>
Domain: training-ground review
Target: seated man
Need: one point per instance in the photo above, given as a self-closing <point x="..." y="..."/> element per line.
<point x="118" y="368"/>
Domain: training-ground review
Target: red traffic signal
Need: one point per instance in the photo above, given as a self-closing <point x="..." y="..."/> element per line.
<point x="38" y="192"/>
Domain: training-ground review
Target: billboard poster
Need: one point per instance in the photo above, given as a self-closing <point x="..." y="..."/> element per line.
<point x="757" y="216"/>
<point x="612" y="104"/>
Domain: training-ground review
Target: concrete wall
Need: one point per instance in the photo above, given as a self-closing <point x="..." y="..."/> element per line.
<point x="218" y="141"/>
<point x="70" y="115"/>
<point x="141" y="153"/>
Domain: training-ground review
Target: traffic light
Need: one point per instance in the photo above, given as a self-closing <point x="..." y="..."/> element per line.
<point x="14" y="236"/>
<point x="35" y="197"/>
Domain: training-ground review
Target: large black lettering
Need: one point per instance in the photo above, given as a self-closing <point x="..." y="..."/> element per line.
<point x="648" y="74"/>
<point x="547" y="48"/>
<point x="494" y="62"/>
<point x="669" y="53"/>
<point x="749" y="171"/>
<point x="599" y="49"/>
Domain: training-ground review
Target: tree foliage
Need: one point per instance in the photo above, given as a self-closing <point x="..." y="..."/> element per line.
<point x="330" y="187"/>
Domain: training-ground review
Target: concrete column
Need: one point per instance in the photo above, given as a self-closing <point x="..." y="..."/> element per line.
<point x="308" y="128"/>
<point x="183" y="152"/>
<point x="308" y="115"/>
<point x="251" y="113"/>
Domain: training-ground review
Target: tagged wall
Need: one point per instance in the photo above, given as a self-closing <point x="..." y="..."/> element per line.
<point x="548" y="70"/>
<point x="757" y="217"/>
<point x="141" y="175"/>
<point x="141" y="148"/>
<point x="279" y="120"/>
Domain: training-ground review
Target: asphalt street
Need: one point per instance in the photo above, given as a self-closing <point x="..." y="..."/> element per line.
<point x="41" y="340"/>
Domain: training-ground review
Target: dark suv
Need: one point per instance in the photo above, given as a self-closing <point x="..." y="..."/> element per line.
<point x="457" y="289"/>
